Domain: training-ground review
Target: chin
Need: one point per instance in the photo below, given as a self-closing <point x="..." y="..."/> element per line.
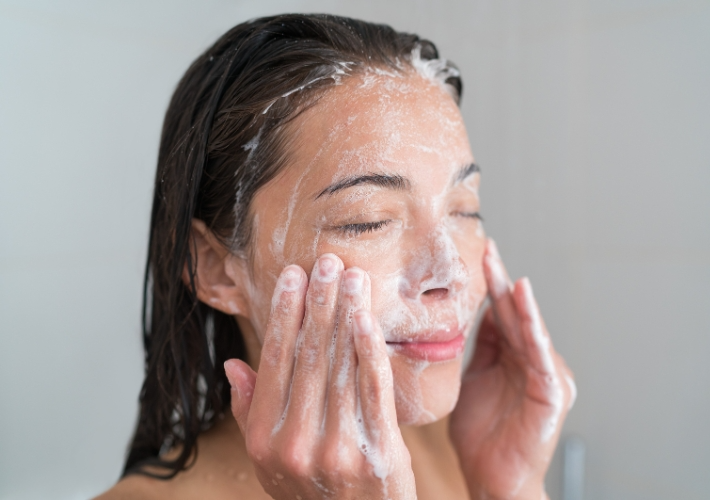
<point x="425" y="391"/>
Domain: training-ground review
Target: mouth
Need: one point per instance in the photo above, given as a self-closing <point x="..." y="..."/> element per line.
<point x="442" y="345"/>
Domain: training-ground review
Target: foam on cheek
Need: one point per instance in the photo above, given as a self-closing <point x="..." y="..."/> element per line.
<point x="437" y="264"/>
<point x="278" y="237"/>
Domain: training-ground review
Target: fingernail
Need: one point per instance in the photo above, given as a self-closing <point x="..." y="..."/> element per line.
<point x="354" y="279"/>
<point x="362" y="330"/>
<point x="500" y="285"/>
<point x="233" y="373"/>
<point x="290" y="278"/>
<point x="527" y="289"/>
<point x="532" y="311"/>
<point x="572" y="391"/>
<point x="327" y="268"/>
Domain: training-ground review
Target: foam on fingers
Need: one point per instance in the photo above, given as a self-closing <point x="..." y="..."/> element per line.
<point x="541" y="356"/>
<point x="536" y="329"/>
<point x="287" y="307"/>
<point x="499" y="283"/>
<point x="501" y="290"/>
<point x="309" y="386"/>
<point x="373" y="405"/>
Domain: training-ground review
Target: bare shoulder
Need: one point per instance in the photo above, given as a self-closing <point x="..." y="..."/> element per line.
<point x="221" y="471"/>
<point x="134" y="488"/>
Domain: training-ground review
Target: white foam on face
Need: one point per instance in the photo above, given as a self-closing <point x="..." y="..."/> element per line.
<point x="410" y="398"/>
<point x="435" y="263"/>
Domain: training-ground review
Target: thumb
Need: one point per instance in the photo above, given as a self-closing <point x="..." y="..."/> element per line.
<point x="242" y="380"/>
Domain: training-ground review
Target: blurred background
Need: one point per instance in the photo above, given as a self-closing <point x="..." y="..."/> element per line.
<point x="590" y="118"/>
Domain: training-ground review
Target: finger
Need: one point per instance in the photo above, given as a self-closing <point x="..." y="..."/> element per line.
<point x="310" y="376"/>
<point x="572" y="386"/>
<point x="487" y="350"/>
<point x="538" y="346"/>
<point x="277" y="353"/>
<point x="354" y="295"/>
<point x="540" y="351"/>
<point x="500" y="290"/>
<point x="374" y="376"/>
<point x="242" y="380"/>
<point x="548" y="386"/>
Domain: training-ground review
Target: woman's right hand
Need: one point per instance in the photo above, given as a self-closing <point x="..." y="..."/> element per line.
<point x="319" y="419"/>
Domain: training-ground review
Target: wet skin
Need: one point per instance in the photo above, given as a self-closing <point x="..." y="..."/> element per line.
<point x="368" y="267"/>
<point x="418" y="237"/>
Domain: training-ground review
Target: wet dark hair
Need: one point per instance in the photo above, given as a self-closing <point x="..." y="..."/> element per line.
<point x="225" y="135"/>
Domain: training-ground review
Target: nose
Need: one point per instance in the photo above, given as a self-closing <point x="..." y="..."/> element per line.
<point x="435" y="271"/>
<point x="434" y="294"/>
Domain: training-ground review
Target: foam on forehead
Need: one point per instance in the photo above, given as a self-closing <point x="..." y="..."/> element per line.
<point x="437" y="70"/>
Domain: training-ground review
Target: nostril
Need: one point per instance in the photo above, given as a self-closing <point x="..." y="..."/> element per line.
<point x="436" y="293"/>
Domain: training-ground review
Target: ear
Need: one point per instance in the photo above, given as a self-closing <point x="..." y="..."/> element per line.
<point x="219" y="275"/>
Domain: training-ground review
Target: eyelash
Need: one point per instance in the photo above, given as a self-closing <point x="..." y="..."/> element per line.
<point x="364" y="227"/>
<point x="369" y="227"/>
<point x="472" y="215"/>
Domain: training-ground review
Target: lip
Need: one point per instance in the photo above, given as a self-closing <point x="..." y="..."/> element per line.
<point x="432" y="349"/>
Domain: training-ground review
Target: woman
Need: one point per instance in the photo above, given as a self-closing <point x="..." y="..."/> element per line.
<point x="316" y="263"/>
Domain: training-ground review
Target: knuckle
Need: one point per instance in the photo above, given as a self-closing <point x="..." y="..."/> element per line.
<point x="378" y="385"/>
<point x="282" y="304"/>
<point x="318" y="313"/>
<point x="257" y="453"/>
<point x="257" y="445"/>
<point x="296" y="458"/>
<point x="320" y="296"/>
<point x="372" y="392"/>
<point x="337" y="457"/>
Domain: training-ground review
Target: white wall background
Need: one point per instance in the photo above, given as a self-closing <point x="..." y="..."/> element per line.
<point x="591" y="119"/>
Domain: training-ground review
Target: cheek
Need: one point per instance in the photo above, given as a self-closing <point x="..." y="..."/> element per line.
<point x="381" y="258"/>
<point x="260" y="286"/>
<point x="471" y="249"/>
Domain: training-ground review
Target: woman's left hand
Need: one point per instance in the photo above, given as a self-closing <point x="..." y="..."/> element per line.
<point x="514" y="395"/>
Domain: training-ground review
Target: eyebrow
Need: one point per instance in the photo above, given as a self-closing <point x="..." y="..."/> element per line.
<point x="466" y="171"/>
<point x="396" y="182"/>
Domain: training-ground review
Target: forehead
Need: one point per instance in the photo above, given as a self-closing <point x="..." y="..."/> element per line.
<point x="380" y="123"/>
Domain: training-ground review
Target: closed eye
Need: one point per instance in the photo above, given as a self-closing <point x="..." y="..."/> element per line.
<point x="471" y="215"/>
<point x="363" y="227"/>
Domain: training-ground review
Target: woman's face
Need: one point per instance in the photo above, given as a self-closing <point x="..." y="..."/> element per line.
<point x="382" y="175"/>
